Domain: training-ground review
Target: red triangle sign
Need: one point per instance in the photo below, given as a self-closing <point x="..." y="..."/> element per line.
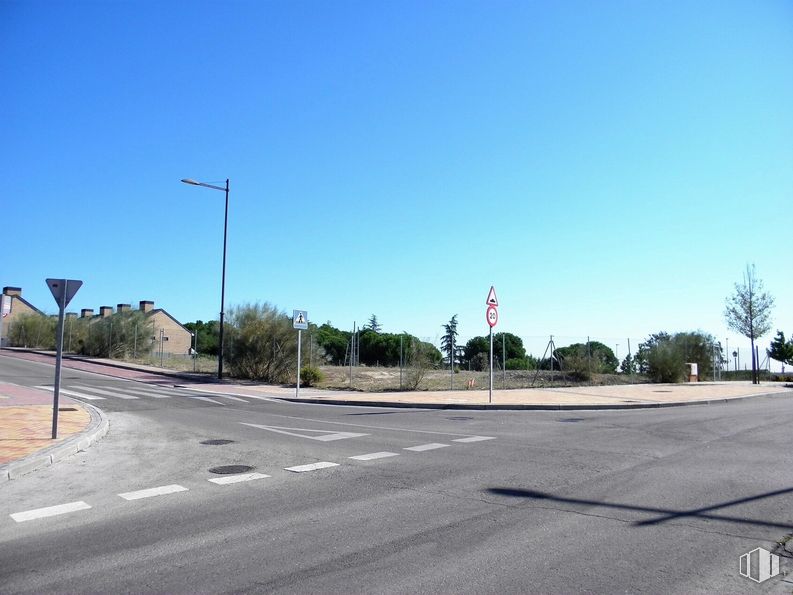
<point x="492" y="300"/>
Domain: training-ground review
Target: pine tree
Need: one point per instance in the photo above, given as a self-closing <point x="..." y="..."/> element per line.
<point x="373" y="324"/>
<point x="449" y="339"/>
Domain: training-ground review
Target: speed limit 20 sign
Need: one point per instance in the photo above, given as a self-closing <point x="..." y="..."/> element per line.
<point x="492" y="316"/>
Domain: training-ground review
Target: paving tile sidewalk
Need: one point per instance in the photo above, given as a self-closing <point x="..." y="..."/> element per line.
<point x="26" y="429"/>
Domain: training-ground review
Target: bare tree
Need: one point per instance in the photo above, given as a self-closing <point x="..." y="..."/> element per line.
<point x="748" y="311"/>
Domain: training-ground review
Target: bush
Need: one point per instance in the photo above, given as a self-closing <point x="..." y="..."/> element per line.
<point x="33" y="330"/>
<point x="310" y="375"/>
<point x="122" y="335"/>
<point x="480" y="362"/>
<point x="261" y="344"/>
<point x="665" y="363"/>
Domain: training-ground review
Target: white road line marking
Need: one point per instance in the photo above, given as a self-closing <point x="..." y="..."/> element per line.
<point x="160" y="491"/>
<point x="260" y="398"/>
<point x="375" y="455"/>
<point x="237" y="478"/>
<point x="208" y="400"/>
<point x="141" y="391"/>
<point x="423" y="447"/>
<point x="322" y="438"/>
<point x="311" y="467"/>
<point x="234" y="398"/>
<point x="40" y="513"/>
<point x="475" y="439"/>
<point x="105" y="392"/>
<point x="72" y="393"/>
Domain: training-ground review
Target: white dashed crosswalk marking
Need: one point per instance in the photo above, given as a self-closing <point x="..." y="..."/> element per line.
<point x="237" y="478"/>
<point x="108" y="393"/>
<point x="72" y="393"/>
<point x="151" y="492"/>
<point x="208" y="400"/>
<point x="474" y="439"/>
<point x="423" y="447"/>
<point x="311" y="467"/>
<point x="234" y="398"/>
<point x="40" y="513"/>
<point x="374" y="455"/>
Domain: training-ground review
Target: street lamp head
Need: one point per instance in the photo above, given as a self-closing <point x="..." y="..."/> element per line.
<point x="190" y="181"/>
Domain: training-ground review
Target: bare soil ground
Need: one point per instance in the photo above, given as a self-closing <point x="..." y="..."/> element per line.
<point x="388" y="379"/>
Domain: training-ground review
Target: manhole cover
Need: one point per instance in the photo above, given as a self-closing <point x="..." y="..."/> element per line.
<point x="66" y="409"/>
<point x="216" y="442"/>
<point x="231" y="469"/>
<point x="571" y="420"/>
<point x="662" y="391"/>
<point x="459" y="418"/>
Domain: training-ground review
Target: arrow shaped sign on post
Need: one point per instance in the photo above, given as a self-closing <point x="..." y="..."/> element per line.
<point x="492" y="300"/>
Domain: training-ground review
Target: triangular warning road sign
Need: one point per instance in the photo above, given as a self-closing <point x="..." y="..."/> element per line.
<point x="59" y="287"/>
<point x="492" y="300"/>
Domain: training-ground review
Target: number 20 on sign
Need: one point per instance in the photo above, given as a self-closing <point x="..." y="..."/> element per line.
<point x="492" y="316"/>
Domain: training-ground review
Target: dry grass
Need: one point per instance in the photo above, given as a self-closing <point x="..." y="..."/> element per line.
<point x="387" y="379"/>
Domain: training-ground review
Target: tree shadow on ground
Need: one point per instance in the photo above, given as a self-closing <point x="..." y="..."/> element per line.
<point x="662" y="515"/>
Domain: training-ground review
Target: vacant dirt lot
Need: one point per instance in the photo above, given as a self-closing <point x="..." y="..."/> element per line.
<point x="388" y="379"/>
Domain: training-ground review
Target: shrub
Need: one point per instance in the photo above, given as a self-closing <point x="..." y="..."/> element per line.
<point x="665" y="363"/>
<point x="33" y="330"/>
<point x="310" y="375"/>
<point x="261" y="344"/>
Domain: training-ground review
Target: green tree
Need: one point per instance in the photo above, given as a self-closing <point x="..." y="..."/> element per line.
<point x="208" y="335"/>
<point x="748" y="311"/>
<point x="628" y="365"/>
<point x="585" y="359"/>
<point x="781" y="350"/>
<point x="33" y="330"/>
<point x="663" y="356"/>
<point x="449" y="339"/>
<point x="513" y="344"/>
<point x="373" y="324"/>
<point x="473" y="347"/>
<point x="334" y="342"/>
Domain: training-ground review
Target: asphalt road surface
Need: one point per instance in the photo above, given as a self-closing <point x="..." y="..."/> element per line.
<point x="373" y="500"/>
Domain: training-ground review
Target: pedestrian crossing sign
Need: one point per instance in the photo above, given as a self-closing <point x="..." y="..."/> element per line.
<point x="300" y="319"/>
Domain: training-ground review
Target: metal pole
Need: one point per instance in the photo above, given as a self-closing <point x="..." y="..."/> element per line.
<point x="223" y="283"/>
<point x="195" y="348"/>
<point x="110" y="341"/>
<point x="451" y="364"/>
<point x="727" y="350"/>
<point x="297" y="386"/>
<point x="352" y="350"/>
<point x="162" y="335"/>
<point x="504" y="358"/>
<point x="490" y="391"/>
<point x="58" y="357"/>
<point x="401" y="361"/>
<point x="135" y="343"/>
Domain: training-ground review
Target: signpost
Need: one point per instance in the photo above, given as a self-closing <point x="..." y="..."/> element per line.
<point x="63" y="291"/>
<point x="492" y="319"/>
<point x="300" y="322"/>
<point x="5" y="308"/>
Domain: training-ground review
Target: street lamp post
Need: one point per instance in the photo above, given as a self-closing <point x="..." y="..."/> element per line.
<point x="223" y="275"/>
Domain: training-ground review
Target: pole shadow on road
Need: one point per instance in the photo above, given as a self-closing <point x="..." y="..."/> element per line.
<point x="665" y="514"/>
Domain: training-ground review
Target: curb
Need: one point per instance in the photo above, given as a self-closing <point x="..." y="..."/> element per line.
<point x="97" y="428"/>
<point x="121" y="366"/>
<point x="526" y="407"/>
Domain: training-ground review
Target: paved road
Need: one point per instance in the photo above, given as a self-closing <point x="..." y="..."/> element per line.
<point x="356" y="499"/>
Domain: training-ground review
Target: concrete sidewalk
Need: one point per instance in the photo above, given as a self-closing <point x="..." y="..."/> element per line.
<point x="639" y="396"/>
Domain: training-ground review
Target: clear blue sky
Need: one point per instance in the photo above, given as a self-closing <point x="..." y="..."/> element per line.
<point x="611" y="167"/>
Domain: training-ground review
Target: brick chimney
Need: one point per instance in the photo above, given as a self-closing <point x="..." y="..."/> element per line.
<point x="12" y="291"/>
<point x="105" y="311"/>
<point x="146" y="306"/>
<point x="86" y="313"/>
<point x="123" y="308"/>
